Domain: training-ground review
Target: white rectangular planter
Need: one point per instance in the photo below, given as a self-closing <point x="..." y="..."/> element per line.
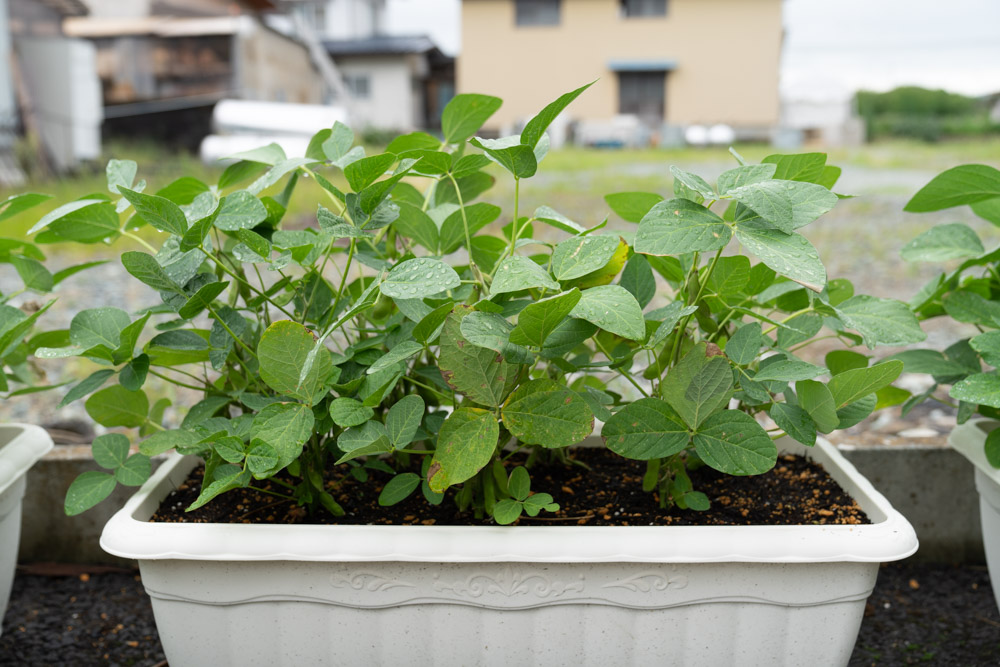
<point x="969" y="439"/>
<point x="20" y="446"/>
<point x="533" y="595"/>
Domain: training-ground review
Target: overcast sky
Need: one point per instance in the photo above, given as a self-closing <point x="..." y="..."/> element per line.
<point x="832" y="46"/>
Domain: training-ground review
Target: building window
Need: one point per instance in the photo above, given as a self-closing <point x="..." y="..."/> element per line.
<point x="359" y="85"/>
<point x="643" y="94"/>
<point x="537" y="12"/>
<point x="633" y="8"/>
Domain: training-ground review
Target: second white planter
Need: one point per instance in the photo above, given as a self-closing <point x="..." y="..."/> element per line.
<point x="439" y="595"/>
<point x="20" y="446"/>
<point x="970" y="440"/>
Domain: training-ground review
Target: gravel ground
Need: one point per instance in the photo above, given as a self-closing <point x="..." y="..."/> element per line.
<point x="918" y="614"/>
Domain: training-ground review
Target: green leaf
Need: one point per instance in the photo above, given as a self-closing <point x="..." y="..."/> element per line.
<point x="789" y="370"/>
<point x="270" y="154"/>
<point x="117" y="406"/>
<point x="980" y="388"/>
<point x="795" y="422"/>
<point x="204" y="409"/>
<point x="347" y="412"/>
<point x="744" y="345"/>
<point x="839" y="361"/>
<point x="536" y="127"/>
<point x="227" y="477"/>
<point x="182" y="191"/>
<point x="637" y="278"/>
<point x="283" y="352"/>
<point x="556" y="219"/>
<point x="16" y="204"/>
<point x="466" y="443"/>
<point x="612" y="308"/>
<point x="579" y="256"/>
<point x="275" y="173"/>
<point x="164" y="441"/>
<point x="988" y="347"/>
<point x="134" y="471"/>
<point x="492" y="331"/>
<point x="402" y="351"/>
<point x="453" y="228"/>
<point x="403" y="420"/>
<point x="890" y="396"/>
<point x="519" y="273"/>
<point x="632" y="206"/>
<point x="942" y="243"/>
<point x="968" y="306"/>
<point x="646" y="429"/>
<point x="240" y="210"/>
<point x="671" y="315"/>
<point x="734" y="443"/>
<point x="398" y="488"/>
<point x="993" y="448"/>
<point x="362" y="173"/>
<point x="791" y="255"/>
<point x="120" y="172"/>
<point x="133" y="374"/>
<point x="540" y="318"/>
<point x="988" y="209"/>
<point x="745" y="175"/>
<point x="693" y="182"/>
<point x="809" y="201"/>
<point x="519" y="483"/>
<point x="544" y="412"/>
<point x="202" y="299"/>
<point x="98" y="326"/>
<point x="698" y="385"/>
<point x="807" y="167"/>
<point x="429" y="326"/>
<point x="110" y="450"/>
<point x="159" y="212"/>
<point x="87" y="490"/>
<point x="770" y="201"/>
<point x="478" y="372"/>
<point x="91" y="383"/>
<point x="286" y="427"/>
<point x="418" y="278"/>
<point x="816" y="399"/>
<point x="144" y="268"/>
<point x="730" y="277"/>
<point x="507" y="511"/>
<point x="465" y="114"/>
<point x="967" y="184"/>
<point x="515" y="157"/>
<point x="856" y="412"/>
<point x="33" y="273"/>
<point x="262" y="458"/>
<point x="417" y="225"/>
<point x="880" y="321"/>
<point x="369" y="438"/>
<point x="678" y="226"/>
<point x="931" y="362"/>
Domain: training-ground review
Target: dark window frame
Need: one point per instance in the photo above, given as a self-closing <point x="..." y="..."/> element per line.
<point x="629" y="84"/>
<point x="530" y="13"/>
<point x="643" y="9"/>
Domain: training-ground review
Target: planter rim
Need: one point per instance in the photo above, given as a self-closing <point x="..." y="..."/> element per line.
<point x="129" y="534"/>
<point x="969" y="440"/>
<point x="21" y="451"/>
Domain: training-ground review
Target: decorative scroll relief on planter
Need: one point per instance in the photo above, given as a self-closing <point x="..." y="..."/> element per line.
<point x="649" y="581"/>
<point x="510" y="582"/>
<point x="368" y="581"/>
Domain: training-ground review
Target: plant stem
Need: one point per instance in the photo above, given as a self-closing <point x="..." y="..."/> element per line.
<point x="225" y="268"/>
<point x="621" y="371"/>
<point x="175" y="382"/>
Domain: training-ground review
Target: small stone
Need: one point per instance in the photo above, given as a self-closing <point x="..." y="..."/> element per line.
<point x="919" y="432"/>
<point x="914" y="584"/>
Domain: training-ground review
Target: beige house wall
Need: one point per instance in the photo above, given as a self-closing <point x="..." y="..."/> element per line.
<point x="726" y="54"/>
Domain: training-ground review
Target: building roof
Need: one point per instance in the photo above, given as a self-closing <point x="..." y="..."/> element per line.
<point x="384" y="45"/>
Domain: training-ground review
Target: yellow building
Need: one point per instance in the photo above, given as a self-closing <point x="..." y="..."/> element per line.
<point x="673" y="62"/>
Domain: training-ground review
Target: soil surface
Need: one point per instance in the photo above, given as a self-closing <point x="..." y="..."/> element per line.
<point x="797" y="491"/>
<point x="78" y="615"/>
<point x="918" y="614"/>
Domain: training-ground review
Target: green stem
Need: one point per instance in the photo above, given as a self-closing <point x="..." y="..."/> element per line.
<point x="225" y="268"/>
<point x="175" y="382"/>
<point x="138" y="240"/>
<point x="230" y="332"/>
<point x="621" y="371"/>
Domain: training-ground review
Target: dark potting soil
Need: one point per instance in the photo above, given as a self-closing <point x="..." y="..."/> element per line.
<point x="918" y="615"/>
<point x="71" y="616"/>
<point x="797" y="491"/>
